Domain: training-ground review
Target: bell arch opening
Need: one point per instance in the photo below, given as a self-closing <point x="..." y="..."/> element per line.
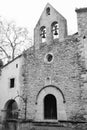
<point x="50" y="107"/>
<point x="55" y="29"/>
<point x="43" y="34"/>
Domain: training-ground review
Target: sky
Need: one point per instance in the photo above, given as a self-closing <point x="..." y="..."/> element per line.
<point x="26" y="13"/>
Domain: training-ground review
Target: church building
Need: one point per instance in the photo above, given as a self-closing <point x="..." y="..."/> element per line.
<point x="52" y="78"/>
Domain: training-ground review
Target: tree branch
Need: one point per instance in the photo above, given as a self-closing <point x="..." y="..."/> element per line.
<point x="4" y="52"/>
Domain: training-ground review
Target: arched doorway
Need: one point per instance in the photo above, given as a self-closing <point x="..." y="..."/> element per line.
<point x="11" y="108"/>
<point x="56" y="98"/>
<point x="50" y="107"/>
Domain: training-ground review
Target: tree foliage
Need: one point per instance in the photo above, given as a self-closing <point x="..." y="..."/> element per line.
<point x="13" y="40"/>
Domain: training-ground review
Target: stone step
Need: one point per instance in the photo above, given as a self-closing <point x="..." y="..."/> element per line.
<point x="49" y="128"/>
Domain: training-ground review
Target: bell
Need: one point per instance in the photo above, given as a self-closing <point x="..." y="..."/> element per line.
<point x="43" y="35"/>
<point x="55" y="33"/>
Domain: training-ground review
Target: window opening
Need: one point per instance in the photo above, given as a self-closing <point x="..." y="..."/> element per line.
<point x="55" y="30"/>
<point x="49" y="57"/>
<point x="48" y="11"/>
<point x="12" y="80"/>
<point x="43" y="33"/>
<point x="50" y="107"/>
<point x="16" y="65"/>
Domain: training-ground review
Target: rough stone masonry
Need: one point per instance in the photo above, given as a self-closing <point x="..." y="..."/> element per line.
<point x="56" y="68"/>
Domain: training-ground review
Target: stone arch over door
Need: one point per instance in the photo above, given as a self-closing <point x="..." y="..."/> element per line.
<point x="11" y="109"/>
<point x="58" y="98"/>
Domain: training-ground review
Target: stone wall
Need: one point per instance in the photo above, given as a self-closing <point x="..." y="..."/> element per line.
<point x="61" y="72"/>
<point x="82" y="21"/>
<point x="82" y="35"/>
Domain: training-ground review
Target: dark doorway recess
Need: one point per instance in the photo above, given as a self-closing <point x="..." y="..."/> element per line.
<point x="50" y="107"/>
<point x="11" y="109"/>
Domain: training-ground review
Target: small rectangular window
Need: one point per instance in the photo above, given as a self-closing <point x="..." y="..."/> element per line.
<point x="12" y="81"/>
<point x="16" y="65"/>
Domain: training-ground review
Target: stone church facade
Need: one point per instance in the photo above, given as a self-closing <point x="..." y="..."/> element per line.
<point x="54" y="71"/>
